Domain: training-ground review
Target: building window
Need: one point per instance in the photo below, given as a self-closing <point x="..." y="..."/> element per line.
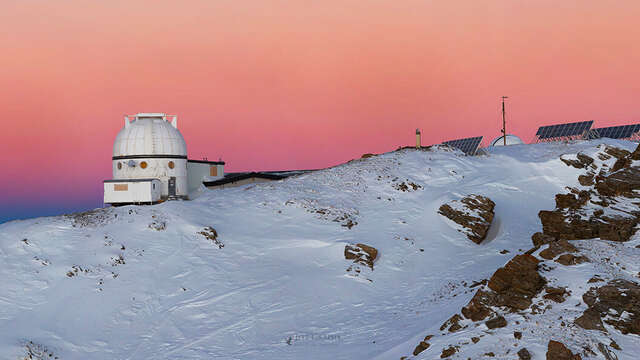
<point x="143" y="164"/>
<point x="119" y="166"/>
<point x="171" y="165"/>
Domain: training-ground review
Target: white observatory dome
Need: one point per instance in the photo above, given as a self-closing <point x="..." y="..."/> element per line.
<point x="511" y="140"/>
<point x="149" y="134"/>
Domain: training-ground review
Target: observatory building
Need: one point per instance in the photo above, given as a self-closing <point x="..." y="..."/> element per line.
<point x="150" y="163"/>
<point x="511" y="140"/>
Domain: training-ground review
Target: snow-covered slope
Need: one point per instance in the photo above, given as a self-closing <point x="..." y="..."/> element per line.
<point x="148" y="282"/>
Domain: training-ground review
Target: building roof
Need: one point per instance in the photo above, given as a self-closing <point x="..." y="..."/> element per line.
<point x="268" y="175"/>
<point x="149" y="134"/>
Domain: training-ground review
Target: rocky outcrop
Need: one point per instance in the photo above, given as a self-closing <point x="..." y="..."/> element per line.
<point x="422" y="346"/>
<point x="577" y="225"/>
<point x="496" y="322"/>
<point x="361" y="254"/>
<point x="617" y="303"/>
<point x="558" y="351"/>
<point x="580" y="162"/>
<point x="474" y="213"/>
<point x="620" y="183"/>
<point x="512" y="286"/>
<point x="523" y="354"/>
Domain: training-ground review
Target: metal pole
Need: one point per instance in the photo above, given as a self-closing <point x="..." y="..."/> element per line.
<point x="504" y="123"/>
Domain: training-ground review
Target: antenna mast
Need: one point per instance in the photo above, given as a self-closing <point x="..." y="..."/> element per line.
<point x="504" y="123"/>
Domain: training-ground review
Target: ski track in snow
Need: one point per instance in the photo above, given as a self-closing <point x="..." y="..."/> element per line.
<point x="278" y="289"/>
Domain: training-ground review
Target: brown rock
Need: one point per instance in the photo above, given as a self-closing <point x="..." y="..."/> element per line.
<point x="581" y="162"/>
<point x="565" y="201"/>
<point x="452" y="324"/>
<point x="540" y="239"/>
<point x="556" y="294"/>
<point x="586" y="180"/>
<point x="496" y="322"/>
<point x="574" y="225"/>
<point x="361" y="253"/>
<point x="523" y="354"/>
<point x="557" y="248"/>
<point x="473" y="212"/>
<point x="517" y="335"/>
<point x="616" y="152"/>
<point x="612" y="300"/>
<point x="513" y="286"/>
<point x="422" y="346"/>
<point x="475" y="339"/>
<point x="570" y="259"/>
<point x="448" y="352"/>
<point x="635" y="155"/>
<point x="622" y="182"/>
<point x="558" y="351"/>
<point x="590" y="320"/>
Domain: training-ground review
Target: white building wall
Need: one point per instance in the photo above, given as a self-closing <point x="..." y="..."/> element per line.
<point x="158" y="168"/>
<point x="198" y="172"/>
<point x="148" y="191"/>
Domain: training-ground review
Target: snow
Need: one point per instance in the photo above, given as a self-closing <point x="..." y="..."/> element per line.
<point x="144" y="284"/>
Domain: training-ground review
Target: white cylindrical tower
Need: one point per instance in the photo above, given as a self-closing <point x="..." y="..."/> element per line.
<point x="149" y="146"/>
<point x="418" y="140"/>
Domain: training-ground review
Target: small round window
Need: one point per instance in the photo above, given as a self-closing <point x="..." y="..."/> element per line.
<point x="171" y="165"/>
<point x="143" y="164"/>
<point x="119" y="166"/>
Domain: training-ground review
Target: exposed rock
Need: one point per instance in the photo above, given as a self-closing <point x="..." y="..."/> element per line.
<point x="586" y="180"/>
<point x="617" y="303"/>
<point x="622" y="182"/>
<point x="540" y="239"/>
<point x="616" y="152"/>
<point x="513" y="285"/>
<point x="523" y="354"/>
<point x="635" y="155"/>
<point x="448" y="352"/>
<point x="581" y="161"/>
<point x="408" y="186"/>
<point x="517" y="335"/>
<point x="620" y="164"/>
<point x="557" y="248"/>
<point x="556" y="294"/>
<point x="422" y="346"/>
<point x="496" y="322"/>
<point x="211" y="234"/>
<point x="558" y="351"/>
<point x="474" y="213"/>
<point x="565" y="201"/>
<point x="570" y="259"/>
<point x="361" y="254"/>
<point x="368" y="155"/>
<point x="590" y="320"/>
<point x="475" y="339"/>
<point x="574" y="225"/>
<point x="452" y="324"/>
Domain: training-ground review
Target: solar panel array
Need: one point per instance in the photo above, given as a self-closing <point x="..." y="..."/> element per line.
<point x="563" y="130"/>
<point x="468" y="146"/>
<point x="616" y="132"/>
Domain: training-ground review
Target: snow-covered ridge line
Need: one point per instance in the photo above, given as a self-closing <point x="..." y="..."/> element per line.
<point x="278" y="287"/>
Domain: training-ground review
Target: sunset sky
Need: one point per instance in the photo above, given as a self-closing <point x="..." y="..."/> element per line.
<point x="271" y="85"/>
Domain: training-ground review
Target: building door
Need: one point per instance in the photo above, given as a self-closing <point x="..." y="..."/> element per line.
<point x="172" y="186"/>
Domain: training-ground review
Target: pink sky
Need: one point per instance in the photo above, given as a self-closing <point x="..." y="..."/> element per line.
<point x="295" y="84"/>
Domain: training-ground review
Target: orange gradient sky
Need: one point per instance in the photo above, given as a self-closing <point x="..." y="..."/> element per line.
<point x="293" y="84"/>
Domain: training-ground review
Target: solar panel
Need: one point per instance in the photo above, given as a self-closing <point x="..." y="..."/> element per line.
<point x="617" y="132"/>
<point x="468" y="146"/>
<point x="563" y="130"/>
